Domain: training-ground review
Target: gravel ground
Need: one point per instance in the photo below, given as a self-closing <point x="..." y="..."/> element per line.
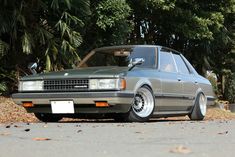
<point x="10" y="112"/>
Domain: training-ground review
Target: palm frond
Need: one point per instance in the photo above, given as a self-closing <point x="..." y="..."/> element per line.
<point x="3" y="87"/>
<point x="4" y="47"/>
<point x="27" y="43"/>
<point x="56" y="4"/>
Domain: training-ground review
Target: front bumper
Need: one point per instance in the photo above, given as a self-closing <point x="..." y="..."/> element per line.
<point x="210" y="100"/>
<point x="84" y="102"/>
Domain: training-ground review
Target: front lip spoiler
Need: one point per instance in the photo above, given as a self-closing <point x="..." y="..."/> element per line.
<point x="71" y="95"/>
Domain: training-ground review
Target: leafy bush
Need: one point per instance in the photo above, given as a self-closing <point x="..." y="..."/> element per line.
<point x="3" y="87"/>
<point x="213" y="80"/>
<point x="229" y="90"/>
<point x="8" y="82"/>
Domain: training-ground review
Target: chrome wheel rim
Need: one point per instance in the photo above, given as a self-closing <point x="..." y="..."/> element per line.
<point x="143" y="103"/>
<point x="202" y="104"/>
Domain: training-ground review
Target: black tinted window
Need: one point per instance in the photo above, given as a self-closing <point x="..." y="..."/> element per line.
<point x="182" y="68"/>
<point x="166" y="62"/>
<point x="148" y="53"/>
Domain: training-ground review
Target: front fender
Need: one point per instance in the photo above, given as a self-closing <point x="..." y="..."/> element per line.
<point x="142" y="82"/>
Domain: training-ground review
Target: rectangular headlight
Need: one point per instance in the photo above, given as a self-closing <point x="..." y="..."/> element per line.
<point x="31" y="86"/>
<point x="107" y="84"/>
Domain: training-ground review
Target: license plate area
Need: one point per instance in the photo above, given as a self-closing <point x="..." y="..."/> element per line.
<point x="65" y="107"/>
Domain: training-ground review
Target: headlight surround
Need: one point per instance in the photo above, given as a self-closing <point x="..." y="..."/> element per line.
<point x="107" y="84"/>
<point x="30" y="85"/>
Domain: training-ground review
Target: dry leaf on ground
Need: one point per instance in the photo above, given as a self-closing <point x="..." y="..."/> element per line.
<point x="5" y="134"/>
<point x="41" y="139"/>
<point x="17" y="126"/>
<point x="79" y="131"/>
<point x="139" y="132"/>
<point x="26" y="130"/>
<point x="181" y="150"/>
<point x="10" y="112"/>
<point x="223" y="133"/>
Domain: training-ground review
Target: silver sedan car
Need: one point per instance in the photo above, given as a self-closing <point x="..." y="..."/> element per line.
<point x="128" y="83"/>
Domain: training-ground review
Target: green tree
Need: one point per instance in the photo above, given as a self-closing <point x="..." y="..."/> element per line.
<point x="58" y="32"/>
<point x="109" y="24"/>
<point x="202" y="30"/>
<point x="180" y="24"/>
<point x="47" y="30"/>
<point x="43" y="28"/>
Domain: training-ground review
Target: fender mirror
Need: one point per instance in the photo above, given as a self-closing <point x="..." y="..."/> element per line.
<point x="32" y="67"/>
<point x="135" y="61"/>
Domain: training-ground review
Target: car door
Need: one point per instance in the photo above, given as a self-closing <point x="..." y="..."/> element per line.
<point x="188" y="81"/>
<point x="171" y="85"/>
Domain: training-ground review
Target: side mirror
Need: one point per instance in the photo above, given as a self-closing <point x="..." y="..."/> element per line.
<point x="135" y="61"/>
<point x="32" y="67"/>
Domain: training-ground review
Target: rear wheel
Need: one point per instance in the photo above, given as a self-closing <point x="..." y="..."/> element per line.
<point x="143" y="105"/>
<point x="48" y="117"/>
<point x="200" y="106"/>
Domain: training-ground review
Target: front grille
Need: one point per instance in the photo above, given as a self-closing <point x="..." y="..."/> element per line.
<point x="66" y="85"/>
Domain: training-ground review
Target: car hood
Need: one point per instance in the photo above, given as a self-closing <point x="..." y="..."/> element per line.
<point x="89" y="72"/>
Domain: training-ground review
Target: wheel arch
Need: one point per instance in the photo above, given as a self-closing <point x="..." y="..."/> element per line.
<point x="199" y="90"/>
<point x="198" y="111"/>
<point x="141" y="83"/>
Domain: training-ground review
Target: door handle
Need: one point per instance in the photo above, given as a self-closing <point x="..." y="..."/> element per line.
<point x="195" y="82"/>
<point x="179" y="79"/>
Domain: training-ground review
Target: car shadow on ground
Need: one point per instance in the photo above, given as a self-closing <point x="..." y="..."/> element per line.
<point x="152" y="120"/>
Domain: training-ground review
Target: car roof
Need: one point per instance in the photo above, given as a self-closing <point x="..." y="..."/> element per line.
<point x="132" y="46"/>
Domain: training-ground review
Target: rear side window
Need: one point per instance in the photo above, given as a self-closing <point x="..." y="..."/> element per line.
<point x="148" y="53"/>
<point x="167" y="63"/>
<point x="182" y="68"/>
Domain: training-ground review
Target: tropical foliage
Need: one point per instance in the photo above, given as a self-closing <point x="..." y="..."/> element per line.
<point x="229" y="89"/>
<point x="57" y="33"/>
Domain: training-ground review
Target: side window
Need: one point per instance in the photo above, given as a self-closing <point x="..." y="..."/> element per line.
<point x="182" y="68"/>
<point x="166" y="62"/>
<point x="148" y="53"/>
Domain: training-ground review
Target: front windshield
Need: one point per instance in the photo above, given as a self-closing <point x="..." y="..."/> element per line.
<point x="119" y="57"/>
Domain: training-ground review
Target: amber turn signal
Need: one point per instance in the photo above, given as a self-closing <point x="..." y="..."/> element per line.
<point x="101" y="104"/>
<point x="27" y="104"/>
<point x="123" y="84"/>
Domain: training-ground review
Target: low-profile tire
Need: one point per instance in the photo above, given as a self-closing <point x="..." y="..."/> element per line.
<point x="199" y="109"/>
<point x="47" y="117"/>
<point x="143" y="105"/>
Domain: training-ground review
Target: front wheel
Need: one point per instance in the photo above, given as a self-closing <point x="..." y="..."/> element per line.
<point x="47" y="117"/>
<point x="199" y="109"/>
<point x="143" y="105"/>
